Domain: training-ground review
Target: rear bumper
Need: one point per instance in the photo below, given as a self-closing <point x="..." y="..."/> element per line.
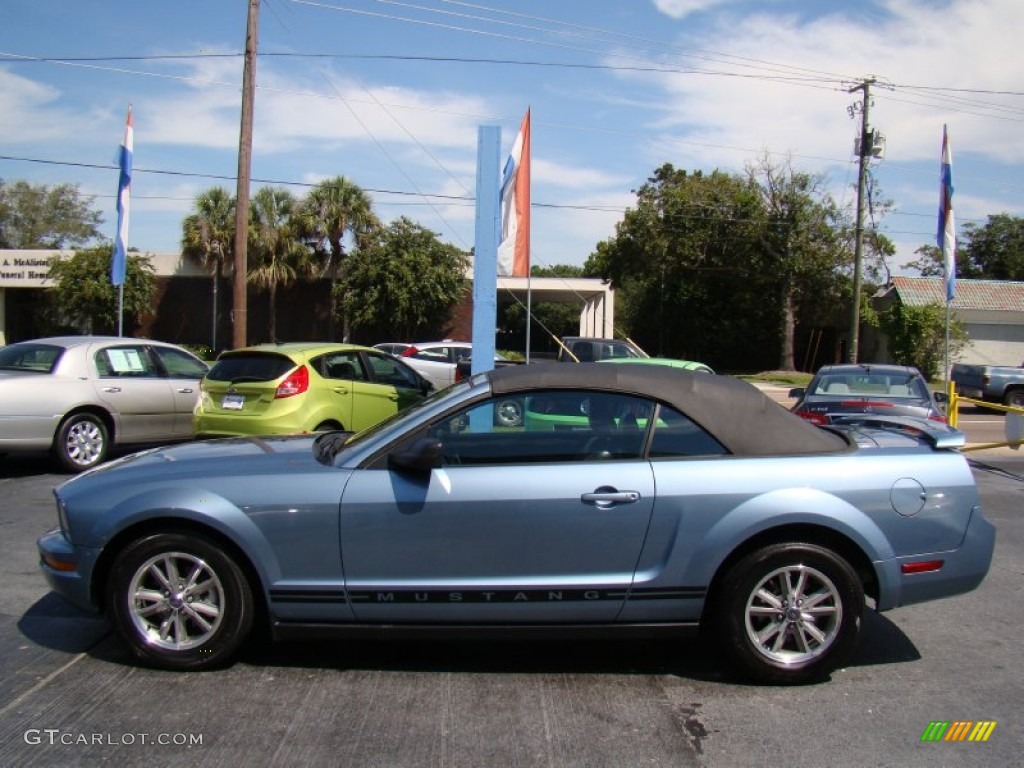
<point x="963" y="568"/>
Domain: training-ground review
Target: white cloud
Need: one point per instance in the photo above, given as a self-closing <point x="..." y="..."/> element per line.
<point x="912" y="44"/>
<point x="679" y="9"/>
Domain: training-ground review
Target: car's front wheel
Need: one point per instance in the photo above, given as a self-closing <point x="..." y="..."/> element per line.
<point x="82" y="442"/>
<point x="180" y="601"/>
<point x="790" y="613"/>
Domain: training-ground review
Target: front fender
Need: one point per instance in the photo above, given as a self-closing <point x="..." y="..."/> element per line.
<point x="195" y="506"/>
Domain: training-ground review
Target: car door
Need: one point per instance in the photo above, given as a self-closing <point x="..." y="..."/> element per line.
<point x="183" y="372"/>
<point x="130" y="384"/>
<point x="435" y="363"/>
<point x="520" y="524"/>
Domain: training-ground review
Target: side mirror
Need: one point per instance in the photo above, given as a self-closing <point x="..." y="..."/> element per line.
<point x="797" y="392"/>
<point x="423" y="455"/>
<point x="940" y="397"/>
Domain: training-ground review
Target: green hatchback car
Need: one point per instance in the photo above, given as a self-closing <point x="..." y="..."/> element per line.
<point x="283" y="389"/>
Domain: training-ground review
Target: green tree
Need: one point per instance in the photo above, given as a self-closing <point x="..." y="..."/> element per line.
<point x="800" y="245"/>
<point x="42" y="217"/>
<point x="917" y="336"/>
<point x="334" y="212"/>
<point x="406" y="279"/>
<point x="681" y="261"/>
<point x="928" y="262"/>
<point x="208" y="237"/>
<point x="994" y="250"/>
<point x="278" y="256"/>
<point x="84" y="295"/>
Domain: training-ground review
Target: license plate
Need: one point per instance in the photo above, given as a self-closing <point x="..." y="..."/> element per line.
<point x="232" y="402"/>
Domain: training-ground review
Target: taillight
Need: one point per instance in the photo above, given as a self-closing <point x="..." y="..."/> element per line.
<point x="924" y="566"/>
<point x="296" y="383"/>
<point x="817" y="419"/>
<point x="937" y="417"/>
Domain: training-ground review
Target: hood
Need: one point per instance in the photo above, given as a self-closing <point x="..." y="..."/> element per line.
<point x="232" y="456"/>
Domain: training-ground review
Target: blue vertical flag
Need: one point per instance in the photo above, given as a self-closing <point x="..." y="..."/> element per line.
<point x="118" y="264"/>
<point x="947" y="226"/>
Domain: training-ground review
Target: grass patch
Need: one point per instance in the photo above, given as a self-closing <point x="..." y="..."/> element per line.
<point x="788" y="378"/>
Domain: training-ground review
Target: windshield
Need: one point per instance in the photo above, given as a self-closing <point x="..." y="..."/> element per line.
<point x="887" y="385"/>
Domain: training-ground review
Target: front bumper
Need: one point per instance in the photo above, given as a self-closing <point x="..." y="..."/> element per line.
<point x="67" y="569"/>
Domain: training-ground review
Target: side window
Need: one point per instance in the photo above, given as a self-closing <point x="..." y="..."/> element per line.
<point x="125" y="362"/>
<point x="549" y="427"/>
<point x="388" y="370"/>
<point x="676" y="435"/>
<point x="180" y="365"/>
<point x="342" y="365"/>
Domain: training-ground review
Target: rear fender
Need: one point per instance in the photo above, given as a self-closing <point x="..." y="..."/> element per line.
<point x="806" y="507"/>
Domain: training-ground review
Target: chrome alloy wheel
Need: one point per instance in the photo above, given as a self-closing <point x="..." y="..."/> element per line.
<point x="794" y="614"/>
<point x="84" y="443"/>
<point x="176" y="601"/>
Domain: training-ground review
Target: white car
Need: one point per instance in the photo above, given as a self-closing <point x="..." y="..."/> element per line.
<point x="80" y="395"/>
<point x="436" y="360"/>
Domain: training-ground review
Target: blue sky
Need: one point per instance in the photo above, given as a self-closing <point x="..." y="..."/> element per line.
<point x="391" y="94"/>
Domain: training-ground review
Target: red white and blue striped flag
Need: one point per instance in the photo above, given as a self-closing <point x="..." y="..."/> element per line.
<point x="514" y="248"/>
<point x="947" y="225"/>
<point x="118" y="264"/>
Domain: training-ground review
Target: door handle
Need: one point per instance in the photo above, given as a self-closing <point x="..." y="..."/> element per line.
<point x="341" y="390"/>
<point x="111" y="389"/>
<point x="609" y="498"/>
<point x="186" y="391"/>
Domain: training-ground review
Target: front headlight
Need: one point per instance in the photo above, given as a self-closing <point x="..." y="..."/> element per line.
<point x="62" y="516"/>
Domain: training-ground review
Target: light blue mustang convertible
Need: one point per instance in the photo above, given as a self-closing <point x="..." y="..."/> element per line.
<point x="633" y="498"/>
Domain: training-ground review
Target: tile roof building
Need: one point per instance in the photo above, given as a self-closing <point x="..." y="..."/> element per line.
<point x="992" y="311"/>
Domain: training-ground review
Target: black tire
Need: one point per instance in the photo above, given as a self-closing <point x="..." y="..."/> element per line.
<point x="764" y="623"/>
<point x="82" y="442"/>
<point x="198" y="625"/>
<point x="1014" y="398"/>
<point x="327" y="426"/>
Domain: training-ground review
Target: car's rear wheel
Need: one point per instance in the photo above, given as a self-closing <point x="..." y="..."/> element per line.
<point x="180" y="601"/>
<point x="82" y="442"/>
<point x="1014" y="398"/>
<point x="790" y="613"/>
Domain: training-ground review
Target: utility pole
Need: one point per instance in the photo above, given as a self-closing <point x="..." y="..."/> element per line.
<point x="864" y="151"/>
<point x="241" y="310"/>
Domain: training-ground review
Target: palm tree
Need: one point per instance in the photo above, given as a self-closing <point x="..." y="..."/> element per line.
<point x="208" y="236"/>
<point x="277" y="251"/>
<point x="333" y="209"/>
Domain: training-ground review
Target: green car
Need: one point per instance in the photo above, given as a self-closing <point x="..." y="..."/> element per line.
<point x="283" y="389"/>
<point x="686" y="365"/>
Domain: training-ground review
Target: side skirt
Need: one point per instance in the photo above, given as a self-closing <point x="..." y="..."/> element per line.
<point x="296" y="630"/>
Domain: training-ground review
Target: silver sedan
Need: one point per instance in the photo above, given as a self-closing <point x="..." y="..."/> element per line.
<point x="80" y="395"/>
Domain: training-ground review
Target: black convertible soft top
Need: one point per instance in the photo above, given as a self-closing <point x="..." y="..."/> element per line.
<point x="738" y="414"/>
